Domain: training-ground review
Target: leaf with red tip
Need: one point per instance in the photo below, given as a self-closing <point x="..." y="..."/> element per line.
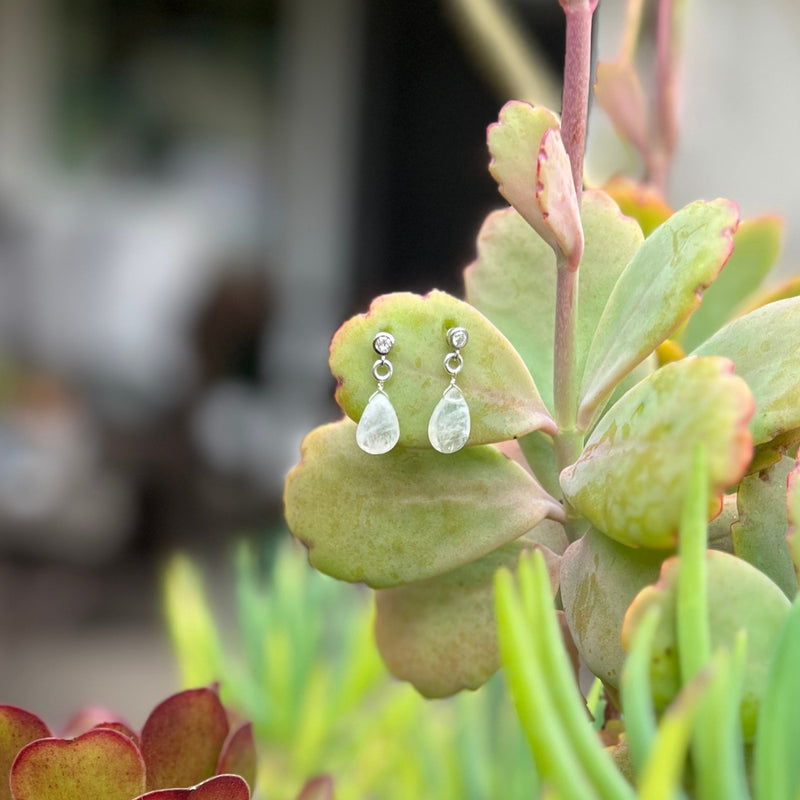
<point x="630" y="480"/>
<point x="658" y="290"/>
<point x="440" y="634"/>
<point x="220" y="787"/>
<point x="18" y="727"/>
<point x="407" y="515"/>
<point x="555" y="194"/>
<point x="239" y="754"/>
<point x="502" y="397"/>
<point x="619" y="92"/>
<point x="182" y="739"/>
<point x="514" y="142"/>
<point x="99" y="764"/>
<point x="320" y="788"/>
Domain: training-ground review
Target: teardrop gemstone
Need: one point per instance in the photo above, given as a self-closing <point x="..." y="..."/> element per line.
<point x="448" y="429"/>
<point x="378" y="429"/>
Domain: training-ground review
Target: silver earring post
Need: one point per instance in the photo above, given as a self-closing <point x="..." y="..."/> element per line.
<point x="449" y="426"/>
<point x="378" y="429"/>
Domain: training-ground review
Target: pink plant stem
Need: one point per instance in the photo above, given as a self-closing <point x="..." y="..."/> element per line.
<point x="666" y="93"/>
<point x="577" y="69"/>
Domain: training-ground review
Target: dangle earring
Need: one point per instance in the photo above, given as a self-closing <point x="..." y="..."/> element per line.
<point x="378" y="429"/>
<point x="448" y="429"/>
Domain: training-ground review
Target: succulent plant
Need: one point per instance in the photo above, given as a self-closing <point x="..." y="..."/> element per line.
<point x="187" y="742"/>
<point x="593" y="372"/>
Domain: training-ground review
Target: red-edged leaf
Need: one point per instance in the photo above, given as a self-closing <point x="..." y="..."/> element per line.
<point x="17" y="728"/>
<point x="99" y="764"/>
<point x="182" y="739"/>
<point x="220" y="787"/>
<point x="239" y="754"/>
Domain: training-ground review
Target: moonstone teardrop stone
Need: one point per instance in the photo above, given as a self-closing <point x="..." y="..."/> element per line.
<point x="378" y="429"/>
<point x="448" y="429"/>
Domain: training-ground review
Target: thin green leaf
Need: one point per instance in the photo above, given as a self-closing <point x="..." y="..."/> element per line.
<point x="717" y="743"/>
<point x="637" y="705"/>
<point x="662" y="771"/>
<point x="776" y="768"/>
<point x="555" y="758"/>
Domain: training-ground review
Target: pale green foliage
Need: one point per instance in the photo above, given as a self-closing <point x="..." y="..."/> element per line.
<point x="300" y="661"/>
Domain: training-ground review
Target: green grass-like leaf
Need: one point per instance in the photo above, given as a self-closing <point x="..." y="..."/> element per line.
<point x="776" y="768"/>
<point x="565" y="748"/>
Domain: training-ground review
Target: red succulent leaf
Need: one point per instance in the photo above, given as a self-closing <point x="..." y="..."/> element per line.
<point x="320" y="788"/>
<point x="239" y="754"/>
<point x="220" y="787"/>
<point x="99" y="764"/>
<point x="93" y="717"/>
<point x="119" y="727"/>
<point x="17" y="728"/>
<point x="182" y="739"/>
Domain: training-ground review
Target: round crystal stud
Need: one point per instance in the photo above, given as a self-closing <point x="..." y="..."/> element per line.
<point x="383" y="343"/>
<point x="457" y="337"/>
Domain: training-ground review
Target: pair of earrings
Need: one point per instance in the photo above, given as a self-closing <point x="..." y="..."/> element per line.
<point x="448" y="429"/>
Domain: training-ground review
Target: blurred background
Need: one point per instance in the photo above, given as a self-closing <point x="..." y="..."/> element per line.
<point x="193" y="195"/>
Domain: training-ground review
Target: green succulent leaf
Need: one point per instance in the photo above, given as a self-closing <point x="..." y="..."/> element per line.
<point x="658" y="290"/>
<point x="182" y="739"/>
<point x="599" y="580"/>
<point x="407" y="515"/>
<point x="100" y="763"/>
<point x="502" y="397"/>
<point x="740" y="597"/>
<point x="17" y="728"/>
<point x="513" y="281"/>
<point x="440" y="634"/>
<point x="776" y="768"/>
<point x="759" y="535"/>
<point x="220" y="787"/>
<point x="763" y="345"/>
<point x="515" y="143"/>
<point x="630" y="480"/>
<point x="756" y="245"/>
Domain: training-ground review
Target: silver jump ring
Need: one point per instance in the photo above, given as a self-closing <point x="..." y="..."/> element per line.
<point x="453" y="363"/>
<point x="382" y="370"/>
